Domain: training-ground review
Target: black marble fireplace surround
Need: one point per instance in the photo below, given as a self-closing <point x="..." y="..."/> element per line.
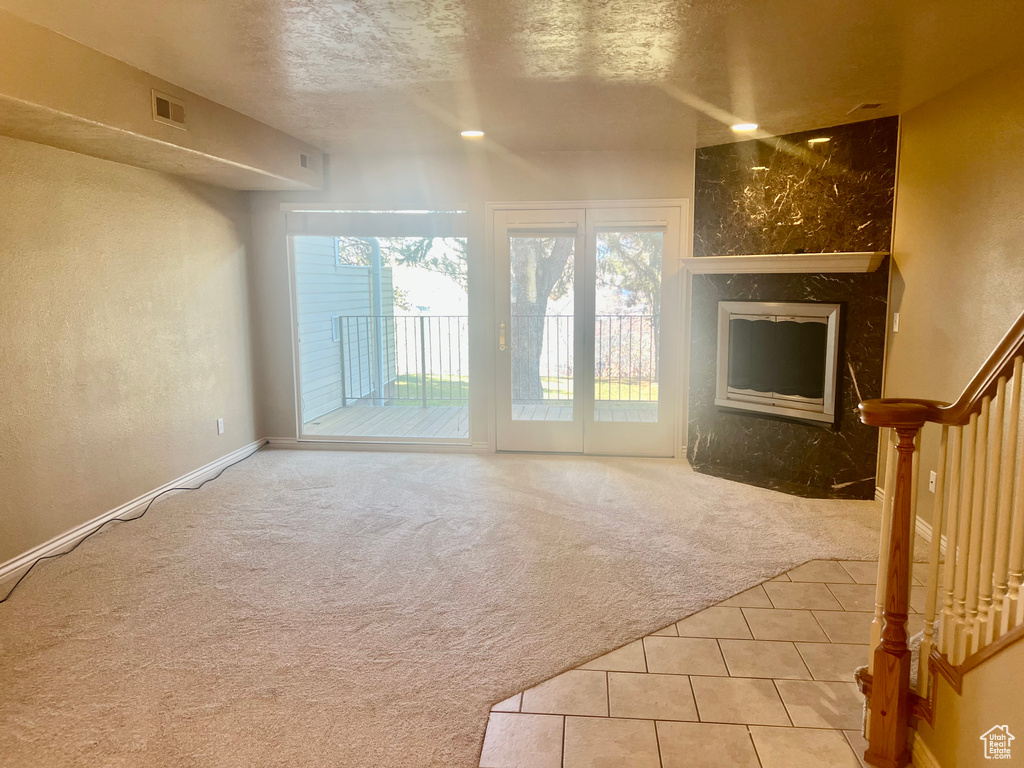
<point x="783" y="195"/>
<point x="786" y="196"/>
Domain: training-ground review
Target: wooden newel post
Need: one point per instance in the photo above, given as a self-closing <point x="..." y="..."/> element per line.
<point x="890" y="688"/>
<point x="889" y="716"/>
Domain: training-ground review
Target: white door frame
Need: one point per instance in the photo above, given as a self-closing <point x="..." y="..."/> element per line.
<point x="545" y="435"/>
<point x="678" y="291"/>
<point x="639" y="438"/>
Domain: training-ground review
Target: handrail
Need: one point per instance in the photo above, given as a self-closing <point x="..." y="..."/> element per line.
<point x="894" y="412"/>
<point x="981" y="500"/>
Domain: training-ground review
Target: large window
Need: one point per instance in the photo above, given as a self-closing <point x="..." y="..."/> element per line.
<point x="383" y="330"/>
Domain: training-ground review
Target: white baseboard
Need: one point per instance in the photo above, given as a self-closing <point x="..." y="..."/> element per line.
<point x="15" y="567"/>
<point x="923" y="527"/>
<point x="924" y="530"/>
<point x="921" y="756"/>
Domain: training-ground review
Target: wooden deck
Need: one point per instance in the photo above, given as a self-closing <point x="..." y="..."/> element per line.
<point x="604" y="410"/>
<point x="445" y="421"/>
<point x="452" y="421"/>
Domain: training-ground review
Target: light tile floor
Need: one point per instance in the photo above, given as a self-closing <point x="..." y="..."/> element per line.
<point x="761" y="680"/>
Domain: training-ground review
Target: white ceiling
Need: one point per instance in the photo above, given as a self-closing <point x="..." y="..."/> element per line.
<point x="387" y="75"/>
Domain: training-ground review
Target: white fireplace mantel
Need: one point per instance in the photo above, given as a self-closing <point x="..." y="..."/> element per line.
<point x="803" y="263"/>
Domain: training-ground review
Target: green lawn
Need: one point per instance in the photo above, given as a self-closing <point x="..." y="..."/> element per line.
<point x="441" y="390"/>
<point x="454" y="390"/>
<point x="604" y="389"/>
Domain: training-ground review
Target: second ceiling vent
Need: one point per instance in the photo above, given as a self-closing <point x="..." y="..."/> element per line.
<point x="168" y="110"/>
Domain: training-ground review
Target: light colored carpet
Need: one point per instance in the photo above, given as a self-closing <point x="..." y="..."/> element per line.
<point x="366" y="609"/>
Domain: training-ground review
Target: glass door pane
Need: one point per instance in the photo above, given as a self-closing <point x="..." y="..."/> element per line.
<point x="541" y="284"/>
<point x="383" y="337"/>
<point x="627" y="325"/>
<point x="631" y="319"/>
<point x="539" y="262"/>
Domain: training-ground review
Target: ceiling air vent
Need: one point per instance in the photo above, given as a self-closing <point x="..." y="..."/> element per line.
<point x="168" y="110"/>
<point x="303" y="160"/>
<point x="866" y="106"/>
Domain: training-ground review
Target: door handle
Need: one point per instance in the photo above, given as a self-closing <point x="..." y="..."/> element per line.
<point x="501" y="336"/>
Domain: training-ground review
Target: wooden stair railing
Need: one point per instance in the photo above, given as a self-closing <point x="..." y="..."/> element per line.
<point x="979" y="495"/>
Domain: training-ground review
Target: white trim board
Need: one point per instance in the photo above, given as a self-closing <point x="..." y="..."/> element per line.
<point x="921" y="756"/>
<point x="812" y="263"/>
<point x="15" y="567"/>
<point x="646" y="202"/>
<point x="925" y="530"/>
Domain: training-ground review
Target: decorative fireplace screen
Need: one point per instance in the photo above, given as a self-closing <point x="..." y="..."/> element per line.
<point x="778" y="358"/>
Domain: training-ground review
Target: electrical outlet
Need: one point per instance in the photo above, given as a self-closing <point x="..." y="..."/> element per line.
<point x="931" y="481"/>
<point x="220" y="426"/>
<point x="895" y="322"/>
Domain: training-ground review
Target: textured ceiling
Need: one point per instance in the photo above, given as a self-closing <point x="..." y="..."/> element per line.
<point x="376" y="75"/>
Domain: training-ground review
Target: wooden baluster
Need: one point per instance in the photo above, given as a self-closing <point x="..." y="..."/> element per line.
<point x="963" y="543"/>
<point x="977" y="528"/>
<point x="946" y="630"/>
<point x="915" y="474"/>
<point x="998" y="621"/>
<point x="932" y="584"/>
<point x="887" y="496"/>
<point x="981" y="629"/>
<point x="1014" y="611"/>
<point x="890" y="688"/>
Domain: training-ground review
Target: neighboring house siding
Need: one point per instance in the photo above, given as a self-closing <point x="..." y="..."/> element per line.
<point x="388" y="352"/>
<point x="325" y="290"/>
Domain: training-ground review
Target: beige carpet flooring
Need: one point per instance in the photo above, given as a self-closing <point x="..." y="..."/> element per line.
<point x="358" y="609"/>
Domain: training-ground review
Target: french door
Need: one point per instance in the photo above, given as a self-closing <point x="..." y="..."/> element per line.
<point x="586" y="317"/>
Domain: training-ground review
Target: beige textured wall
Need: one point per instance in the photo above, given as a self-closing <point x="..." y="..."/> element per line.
<point x="124" y="335"/>
<point x="958" y="240"/>
<point x="991" y="696"/>
<point x="959" y="284"/>
<point x="59" y="92"/>
<point x="463" y="182"/>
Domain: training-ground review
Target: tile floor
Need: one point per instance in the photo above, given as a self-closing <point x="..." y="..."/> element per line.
<point x="761" y="680"/>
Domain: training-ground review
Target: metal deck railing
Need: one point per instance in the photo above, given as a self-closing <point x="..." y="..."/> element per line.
<point x="424" y="359"/>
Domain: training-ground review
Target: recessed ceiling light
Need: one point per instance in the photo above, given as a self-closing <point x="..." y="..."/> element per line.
<point x="819" y="140"/>
<point x="471" y="134"/>
<point x="744" y="127"/>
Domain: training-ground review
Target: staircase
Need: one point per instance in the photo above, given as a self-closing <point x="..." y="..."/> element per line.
<point x="974" y="608"/>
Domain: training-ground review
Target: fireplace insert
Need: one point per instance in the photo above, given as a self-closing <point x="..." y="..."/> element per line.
<point x="778" y="358"/>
